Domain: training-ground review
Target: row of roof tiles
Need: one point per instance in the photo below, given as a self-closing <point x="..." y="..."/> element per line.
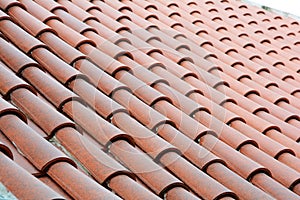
<point x="169" y="99"/>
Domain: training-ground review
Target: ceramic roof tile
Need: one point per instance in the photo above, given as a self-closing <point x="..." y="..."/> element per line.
<point x="16" y="183"/>
<point x="151" y="99"/>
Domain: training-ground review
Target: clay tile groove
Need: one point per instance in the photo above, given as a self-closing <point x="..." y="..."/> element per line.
<point x="53" y="91"/>
<point x="153" y="145"/>
<point x="7" y="4"/>
<point x="79" y="13"/>
<point x="51" y="5"/>
<point x="163" y="180"/>
<point x="20" y="61"/>
<point x="10" y="83"/>
<point x="89" y="155"/>
<point x="33" y="107"/>
<point x="151" y="99"/>
<point x="20" y="37"/>
<point x="5" y="150"/>
<point x="34" y="27"/>
<point x="4" y="16"/>
<point x="40" y="152"/>
<point x="39" y="12"/>
<point x="140" y="89"/>
<point x="73" y="180"/>
<point x="7" y="109"/>
<point x="59" y="69"/>
<point x="16" y="183"/>
<point x="69" y="54"/>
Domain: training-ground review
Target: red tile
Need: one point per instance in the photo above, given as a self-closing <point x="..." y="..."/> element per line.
<point x="140" y="44"/>
<point x="33" y="26"/>
<point x="285" y="128"/>
<point x="182" y="102"/>
<point x="159" y="180"/>
<point x="48" y="181"/>
<point x="6" y="4"/>
<point x="104" y="61"/>
<point x="62" y="49"/>
<point x="51" y="90"/>
<point x="43" y="115"/>
<point x="56" y="67"/>
<point x="100" y="165"/>
<point x="224" y="132"/>
<point x="180" y="58"/>
<point x="41" y="153"/>
<point x="209" y="92"/>
<point x="134" y="8"/>
<point x="204" y="76"/>
<point x="244" y="102"/>
<point x="172" y="43"/>
<point x="99" y="78"/>
<point x="144" y="138"/>
<point x="129" y="189"/>
<point x="5" y="149"/>
<point x="266" y="144"/>
<point x="19" y="158"/>
<point x="77" y="184"/>
<point x="140" y="89"/>
<point x="74" y="23"/>
<point x="140" y="57"/>
<point x="6" y="108"/>
<point x="51" y="6"/>
<point x="195" y="178"/>
<point x="66" y="33"/>
<point x="283" y="174"/>
<point x="145" y="114"/>
<point x="239" y="163"/>
<point x="106" y="9"/>
<point x="18" y="36"/>
<point x="143" y="74"/>
<point x="179" y="193"/>
<point x="102" y="131"/>
<point x="79" y="13"/>
<point x="20" y="60"/>
<point x="174" y="67"/>
<point x="271" y="187"/>
<point x="102" y="104"/>
<point x="108" y="25"/>
<point x="284" y="140"/>
<point x="274" y="110"/>
<point x="185" y="124"/>
<point x="234" y="182"/>
<point x="297" y="189"/>
<point x="216" y="110"/>
<point x="108" y="47"/>
<point x="183" y="88"/>
<point x="290" y="160"/>
<point x="87" y="6"/>
<point x="293" y="106"/>
<point x="238" y="86"/>
<point x="39" y="12"/>
<point x="10" y="83"/>
<point x="63" y="31"/>
<point x="15" y="184"/>
<point x="202" y="159"/>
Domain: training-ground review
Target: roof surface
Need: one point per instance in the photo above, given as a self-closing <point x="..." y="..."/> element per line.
<point x="148" y="99"/>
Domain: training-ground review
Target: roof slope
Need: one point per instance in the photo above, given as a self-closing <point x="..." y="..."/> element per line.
<point x="148" y="99"/>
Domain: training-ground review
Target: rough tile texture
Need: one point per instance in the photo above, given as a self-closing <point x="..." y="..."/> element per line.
<point x="148" y="99"/>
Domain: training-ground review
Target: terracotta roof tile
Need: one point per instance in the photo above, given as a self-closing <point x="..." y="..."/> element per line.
<point x="15" y="184"/>
<point x="150" y="99"/>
